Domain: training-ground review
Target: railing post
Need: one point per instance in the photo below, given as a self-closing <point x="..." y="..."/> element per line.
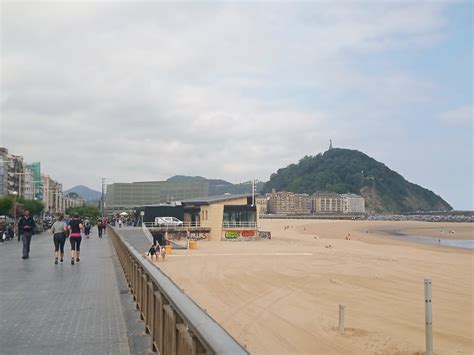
<point x="158" y="330"/>
<point x="150" y="319"/>
<point x="341" y="318"/>
<point x="428" y="318"/>
<point x="144" y="293"/>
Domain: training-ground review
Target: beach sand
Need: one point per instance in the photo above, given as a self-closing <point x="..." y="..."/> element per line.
<point x="281" y="296"/>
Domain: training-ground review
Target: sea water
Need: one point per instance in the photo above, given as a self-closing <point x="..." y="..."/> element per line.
<point x="454" y="243"/>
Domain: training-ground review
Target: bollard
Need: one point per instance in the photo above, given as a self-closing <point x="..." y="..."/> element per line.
<point x="341" y="318"/>
<point x="428" y="318"/>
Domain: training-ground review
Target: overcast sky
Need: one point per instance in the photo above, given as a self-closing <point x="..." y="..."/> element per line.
<point x="135" y="91"/>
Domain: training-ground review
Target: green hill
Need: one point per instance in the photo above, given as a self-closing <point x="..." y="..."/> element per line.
<point x="344" y="170"/>
<point x="220" y="187"/>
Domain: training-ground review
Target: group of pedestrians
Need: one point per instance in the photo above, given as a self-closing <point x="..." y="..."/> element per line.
<point x="61" y="230"/>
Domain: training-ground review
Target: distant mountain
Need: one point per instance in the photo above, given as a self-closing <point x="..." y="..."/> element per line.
<point x="86" y="193"/>
<point x="345" y="170"/>
<point x="220" y="187"/>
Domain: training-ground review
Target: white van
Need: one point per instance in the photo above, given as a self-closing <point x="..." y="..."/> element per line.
<point x="168" y="222"/>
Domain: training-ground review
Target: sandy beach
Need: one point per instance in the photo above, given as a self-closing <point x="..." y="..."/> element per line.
<point x="281" y="296"/>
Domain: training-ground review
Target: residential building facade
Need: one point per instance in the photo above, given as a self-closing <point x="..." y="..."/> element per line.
<point x="73" y="200"/>
<point x="53" y="197"/>
<point x="288" y="203"/>
<point x="327" y="202"/>
<point x="262" y="204"/>
<point x="353" y="203"/>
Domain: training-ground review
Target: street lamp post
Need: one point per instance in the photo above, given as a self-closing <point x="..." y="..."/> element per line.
<point x="14" y="213"/>
<point x="102" y="199"/>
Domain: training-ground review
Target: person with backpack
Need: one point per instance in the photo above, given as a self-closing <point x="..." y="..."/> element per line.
<point x="99" y="227"/>
<point x="87" y="227"/>
<point x="104" y="225"/>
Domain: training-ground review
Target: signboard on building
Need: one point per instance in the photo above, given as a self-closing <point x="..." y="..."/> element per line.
<point x="239" y="235"/>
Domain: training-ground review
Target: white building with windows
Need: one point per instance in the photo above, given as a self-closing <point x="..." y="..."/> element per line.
<point x="353" y="203"/>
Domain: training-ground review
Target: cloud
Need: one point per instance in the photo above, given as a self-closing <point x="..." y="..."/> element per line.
<point x="137" y="91"/>
<point x="461" y="116"/>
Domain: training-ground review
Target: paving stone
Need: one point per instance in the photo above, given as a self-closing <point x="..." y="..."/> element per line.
<point x="60" y="309"/>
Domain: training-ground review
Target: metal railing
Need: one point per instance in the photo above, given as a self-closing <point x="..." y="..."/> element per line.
<point x="239" y="224"/>
<point x="175" y="323"/>
<point x="147" y="233"/>
<point x="181" y="226"/>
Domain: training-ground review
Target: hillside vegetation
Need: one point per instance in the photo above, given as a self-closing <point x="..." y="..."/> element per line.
<point x="344" y="170"/>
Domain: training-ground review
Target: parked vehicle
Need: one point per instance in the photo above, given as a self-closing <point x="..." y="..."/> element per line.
<point x="168" y="222"/>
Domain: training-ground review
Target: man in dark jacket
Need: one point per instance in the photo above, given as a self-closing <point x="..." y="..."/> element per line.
<point x="26" y="228"/>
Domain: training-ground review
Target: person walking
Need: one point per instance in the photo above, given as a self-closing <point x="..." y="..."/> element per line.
<point x="59" y="229"/>
<point x="99" y="227"/>
<point x="26" y="227"/>
<point x="75" y="228"/>
<point x="105" y="221"/>
<point x="87" y="227"/>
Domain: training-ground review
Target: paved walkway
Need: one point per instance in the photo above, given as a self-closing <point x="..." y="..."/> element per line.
<point x="60" y="309"/>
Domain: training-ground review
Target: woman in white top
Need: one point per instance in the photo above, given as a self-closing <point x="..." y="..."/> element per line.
<point x="59" y="229"/>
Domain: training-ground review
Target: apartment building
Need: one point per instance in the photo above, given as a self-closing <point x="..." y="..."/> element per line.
<point x="72" y="200"/>
<point x="262" y="204"/>
<point x="353" y="203"/>
<point x="288" y="203"/>
<point x="327" y="202"/>
<point x="53" y="197"/>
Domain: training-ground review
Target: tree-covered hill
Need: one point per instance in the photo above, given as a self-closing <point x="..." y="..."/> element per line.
<point x="344" y="170"/>
<point x="219" y="186"/>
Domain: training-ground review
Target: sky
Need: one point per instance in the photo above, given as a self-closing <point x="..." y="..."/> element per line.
<point x="136" y="91"/>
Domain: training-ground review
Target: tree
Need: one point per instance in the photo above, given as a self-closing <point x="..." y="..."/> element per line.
<point x="6" y="204"/>
<point x="34" y="206"/>
<point x="85" y="211"/>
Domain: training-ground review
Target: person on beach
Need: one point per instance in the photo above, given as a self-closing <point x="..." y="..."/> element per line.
<point x="75" y="228"/>
<point x="26" y="227"/>
<point x="152" y="252"/>
<point x="59" y="229"/>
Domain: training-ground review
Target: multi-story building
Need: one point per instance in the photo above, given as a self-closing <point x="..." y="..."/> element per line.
<point x="53" y="198"/>
<point x="353" y="203"/>
<point x="12" y="173"/>
<point x="36" y="170"/>
<point x="327" y="202"/>
<point x="288" y="203"/>
<point x="126" y="196"/>
<point x="27" y="184"/>
<point x="72" y="200"/>
<point x="262" y="204"/>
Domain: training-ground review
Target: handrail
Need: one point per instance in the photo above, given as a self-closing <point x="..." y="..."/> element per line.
<point x="147" y="233"/>
<point x="181" y="226"/>
<point x="175" y="322"/>
<point x="226" y="224"/>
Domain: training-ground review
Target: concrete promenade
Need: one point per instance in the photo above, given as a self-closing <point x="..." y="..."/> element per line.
<point x="61" y="309"/>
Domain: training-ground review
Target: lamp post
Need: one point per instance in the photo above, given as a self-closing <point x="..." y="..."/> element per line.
<point x="102" y="199"/>
<point x="14" y="213"/>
